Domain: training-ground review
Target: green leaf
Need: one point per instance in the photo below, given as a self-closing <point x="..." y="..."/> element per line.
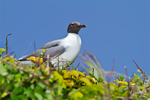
<point x="2" y="49"/>
<point x="14" y="97"/>
<point x="9" y="67"/>
<point x="42" y="85"/>
<point x="17" y="90"/>
<point x="22" y="97"/>
<point x="72" y="92"/>
<point x="75" y="95"/>
<point x="29" y="92"/>
<point x="3" y="70"/>
<point x="2" y="80"/>
<point x="41" y="54"/>
<point x="121" y="77"/>
<point x="138" y="71"/>
<point x="49" y="96"/>
<point x="136" y="77"/>
<point x="100" y="79"/>
<point x="10" y="86"/>
<point x="4" y="94"/>
<point x="85" y="80"/>
<point x="39" y="96"/>
<point x="32" y="86"/>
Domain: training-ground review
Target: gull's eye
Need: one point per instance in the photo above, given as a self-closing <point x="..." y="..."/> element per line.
<point x="71" y="25"/>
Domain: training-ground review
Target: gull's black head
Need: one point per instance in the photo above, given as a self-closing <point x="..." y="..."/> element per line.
<point x="74" y="27"/>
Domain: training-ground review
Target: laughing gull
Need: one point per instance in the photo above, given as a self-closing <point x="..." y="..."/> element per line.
<point x="67" y="48"/>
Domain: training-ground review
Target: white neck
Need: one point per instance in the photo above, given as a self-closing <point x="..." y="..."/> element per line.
<point x="72" y="34"/>
<point x="73" y="37"/>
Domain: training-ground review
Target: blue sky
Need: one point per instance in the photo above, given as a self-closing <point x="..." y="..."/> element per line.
<point x="116" y="29"/>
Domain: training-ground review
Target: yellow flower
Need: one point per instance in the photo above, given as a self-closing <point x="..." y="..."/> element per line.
<point x="123" y="82"/>
<point x="35" y="59"/>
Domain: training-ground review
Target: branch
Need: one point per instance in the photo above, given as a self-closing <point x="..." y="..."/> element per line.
<point x="140" y="70"/>
<point x="8" y="54"/>
<point x="7" y="43"/>
<point x="128" y="83"/>
<point x="115" y="73"/>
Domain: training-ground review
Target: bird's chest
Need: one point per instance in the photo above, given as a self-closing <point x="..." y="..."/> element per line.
<point x="72" y="50"/>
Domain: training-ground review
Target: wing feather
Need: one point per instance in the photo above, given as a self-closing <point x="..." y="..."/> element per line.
<point x="52" y="48"/>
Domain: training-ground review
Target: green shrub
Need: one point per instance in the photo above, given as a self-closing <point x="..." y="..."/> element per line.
<point x="20" y="82"/>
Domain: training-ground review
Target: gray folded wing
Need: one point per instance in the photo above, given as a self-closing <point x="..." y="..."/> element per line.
<point x="52" y="48"/>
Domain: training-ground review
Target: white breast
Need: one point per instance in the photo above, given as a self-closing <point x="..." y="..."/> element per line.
<point x="72" y="44"/>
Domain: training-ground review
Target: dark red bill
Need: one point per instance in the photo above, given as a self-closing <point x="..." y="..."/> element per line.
<point x="82" y="26"/>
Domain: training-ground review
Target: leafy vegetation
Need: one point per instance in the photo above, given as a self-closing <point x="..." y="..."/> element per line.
<point x="20" y="82"/>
